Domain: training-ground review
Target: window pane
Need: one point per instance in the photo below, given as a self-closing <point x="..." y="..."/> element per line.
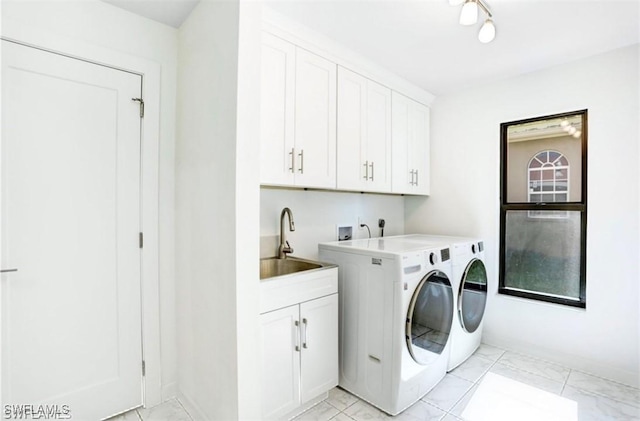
<point x="542" y="252"/>
<point x="545" y="150"/>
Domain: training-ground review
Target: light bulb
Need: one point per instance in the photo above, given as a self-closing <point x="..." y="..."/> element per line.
<point x="469" y="13"/>
<point x="487" y="32"/>
<point x="577" y="134"/>
<point x="564" y="123"/>
<point x="572" y="130"/>
<point x="456" y="2"/>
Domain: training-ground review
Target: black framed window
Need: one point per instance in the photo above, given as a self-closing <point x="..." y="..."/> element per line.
<point x="543" y="208"/>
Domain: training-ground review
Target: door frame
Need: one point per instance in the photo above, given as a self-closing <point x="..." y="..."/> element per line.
<point x="149" y="183"/>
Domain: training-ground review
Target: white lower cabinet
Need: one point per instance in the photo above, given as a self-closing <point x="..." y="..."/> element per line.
<point x="299" y="354"/>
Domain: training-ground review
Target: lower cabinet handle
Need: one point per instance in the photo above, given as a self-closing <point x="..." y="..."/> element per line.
<point x="292" y="160"/>
<point x="366" y="170"/>
<point x="304" y="337"/>
<point x="301" y="155"/>
<point x="371" y="170"/>
<point x="8" y="270"/>
<point x="297" y="335"/>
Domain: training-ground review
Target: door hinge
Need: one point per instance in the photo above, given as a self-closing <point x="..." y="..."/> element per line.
<point x="141" y="239"/>
<point x="144" y="368"/>
<point x="141" y="101"/>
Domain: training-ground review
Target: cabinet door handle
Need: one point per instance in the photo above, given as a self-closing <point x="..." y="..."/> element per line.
<point x="8" y="270"/>
<point x="416" y="177"/>
<point x="366" y="170"/>
<point x="301" y="155"/>
<point x="292" y="160"/>
<point x="371" y="170"/>
<point x="304" y="334"/>
<point x="297" y="335"/>
<point x="411" y="182"/>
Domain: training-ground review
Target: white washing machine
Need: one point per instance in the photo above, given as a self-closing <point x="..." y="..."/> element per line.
<point x="396" y="314"/>
<point x="470" y="292"/>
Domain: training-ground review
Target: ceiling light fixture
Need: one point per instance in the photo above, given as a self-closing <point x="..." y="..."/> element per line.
<point x="469" y="13"/>
<point x="469" y="16"/>
<point x="487" y="31"/>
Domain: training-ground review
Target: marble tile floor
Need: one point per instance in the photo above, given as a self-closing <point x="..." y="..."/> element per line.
<point x="492" y="385"/>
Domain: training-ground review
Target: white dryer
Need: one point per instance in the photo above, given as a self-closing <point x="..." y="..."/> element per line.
<point x="470" y="291"/>
<point x="396" y="314"/>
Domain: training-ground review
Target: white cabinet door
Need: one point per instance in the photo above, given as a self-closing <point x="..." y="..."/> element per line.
<point x="280" y="342"/>
<point x="419" y="147"/>
<point x="352" y="131"/>
<point x="410" y="133"/>
<point x="379" y="137"/>
<point x="315" y="121"/>
<point x="402" y="171"/>
<point x="277" y="111"/>
<point x="364" y="134"/>
<point x="319" y="337"/>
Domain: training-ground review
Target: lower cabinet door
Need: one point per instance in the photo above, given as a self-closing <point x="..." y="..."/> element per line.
<point x="280" y="336"/>
<point x="319" y="339"/>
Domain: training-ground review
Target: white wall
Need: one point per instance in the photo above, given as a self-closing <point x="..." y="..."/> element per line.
<point x="247" y="218"/>
<point x="603" y="339"/>
<point x="103" y="25"/>
<point x="316" y="214"/>
<point x="217" y="198"/>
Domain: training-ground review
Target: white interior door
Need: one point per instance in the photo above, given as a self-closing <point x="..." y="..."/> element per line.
<point x="70" y="218"/>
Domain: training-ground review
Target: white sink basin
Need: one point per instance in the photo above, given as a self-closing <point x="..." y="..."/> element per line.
<point x="294" y="281"/>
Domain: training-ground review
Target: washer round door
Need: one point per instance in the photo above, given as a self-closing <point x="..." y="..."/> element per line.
<point x="430" y="317"/>
<point x="472" y="297"/>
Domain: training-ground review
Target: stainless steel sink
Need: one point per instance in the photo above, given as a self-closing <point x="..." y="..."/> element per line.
<point x="273" y="266"/>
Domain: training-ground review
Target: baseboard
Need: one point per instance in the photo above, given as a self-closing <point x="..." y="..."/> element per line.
<point x="169" y="391"/>
<point x="305" y="407"/>
<point x="196" y="413"/>
<point x="572" y="361"/>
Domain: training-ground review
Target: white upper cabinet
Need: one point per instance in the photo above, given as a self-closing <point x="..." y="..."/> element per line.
<point x="324" y="126"/>
<point x="364" y="134"/>
<point x="298" y="116"/>
<point x="277" y="111"/>
<point x="315" y="121"/>
<point x="410" y="134"/>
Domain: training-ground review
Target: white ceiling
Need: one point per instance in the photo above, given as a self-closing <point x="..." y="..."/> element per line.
<point x="169" y="12"/>
<point x="423" y="42"/>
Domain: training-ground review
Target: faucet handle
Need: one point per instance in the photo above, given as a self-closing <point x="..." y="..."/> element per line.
<point x="288" y="249"/>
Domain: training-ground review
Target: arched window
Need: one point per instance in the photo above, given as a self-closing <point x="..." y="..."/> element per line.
<point x="548" y="177"/>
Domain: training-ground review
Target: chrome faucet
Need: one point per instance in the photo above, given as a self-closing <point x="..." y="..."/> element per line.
<point x="284" y="247"/>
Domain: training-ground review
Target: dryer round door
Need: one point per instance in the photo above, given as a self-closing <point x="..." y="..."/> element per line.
<point x="472" y="297"/>
<point x="430" y="317"/>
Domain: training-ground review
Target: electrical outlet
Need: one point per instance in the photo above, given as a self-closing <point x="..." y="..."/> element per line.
<point x="360" y="222"/>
